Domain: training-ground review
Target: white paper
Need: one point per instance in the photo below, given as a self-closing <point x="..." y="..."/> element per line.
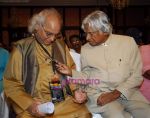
<point x="47" y="108"/>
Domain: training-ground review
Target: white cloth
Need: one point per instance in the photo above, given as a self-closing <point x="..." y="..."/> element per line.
<point x="96" y="115"/>
<point x="76" y="58"/>
<point x="4" y="111"/>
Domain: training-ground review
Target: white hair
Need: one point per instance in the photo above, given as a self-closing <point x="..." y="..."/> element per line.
<point x="39" y="19"/>
<point x="98" y="21"/>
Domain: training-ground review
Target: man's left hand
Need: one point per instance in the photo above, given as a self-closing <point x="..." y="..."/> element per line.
<point x="108" y="97"/>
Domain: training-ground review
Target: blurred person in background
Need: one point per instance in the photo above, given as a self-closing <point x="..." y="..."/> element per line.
<point x="145" y="54"/>
<point x="75" y="43"/>
<point x="4" y="56"/>
<point x="75" y="50"/>
<point x="136" y="34"/>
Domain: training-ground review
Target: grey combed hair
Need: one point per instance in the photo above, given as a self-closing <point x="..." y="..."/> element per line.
<point x="39" y="18"/>
<point x="98" y="21"/>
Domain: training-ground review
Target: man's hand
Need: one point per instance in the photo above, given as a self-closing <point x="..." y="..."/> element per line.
<point x="33" y="109"/>
<point x="62" y="68"/>
<point x="108" y="97"/>
<point x="80" y="96"/>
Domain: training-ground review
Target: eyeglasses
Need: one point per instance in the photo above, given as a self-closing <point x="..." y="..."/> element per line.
<point x="50" y="34"/>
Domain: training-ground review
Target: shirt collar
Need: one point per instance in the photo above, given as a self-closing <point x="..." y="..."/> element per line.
<point x="108" y="41"/>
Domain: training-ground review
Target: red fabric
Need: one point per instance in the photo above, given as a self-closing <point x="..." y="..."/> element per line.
<point x="145" y="54"/>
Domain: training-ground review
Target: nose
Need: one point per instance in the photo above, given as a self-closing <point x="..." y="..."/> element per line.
<point x="52" y="38"/>
<point x="88" y="37"/>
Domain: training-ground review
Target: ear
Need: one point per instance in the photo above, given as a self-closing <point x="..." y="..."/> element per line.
<point x="37" y="27"/>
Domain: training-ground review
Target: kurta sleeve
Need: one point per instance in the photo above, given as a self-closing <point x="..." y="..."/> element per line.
<point x="13" y="85"/>
<point x="135" y="67"/>
<point x="86" y="70"/>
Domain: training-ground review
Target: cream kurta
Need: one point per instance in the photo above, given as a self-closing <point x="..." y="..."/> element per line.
<point x="117" y="65"/>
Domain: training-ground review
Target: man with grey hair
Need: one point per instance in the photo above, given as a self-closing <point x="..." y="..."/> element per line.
<point x="115" y="61"/>
<point x="30" y="78"/>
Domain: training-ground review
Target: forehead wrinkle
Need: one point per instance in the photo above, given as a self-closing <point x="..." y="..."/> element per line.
<point x="52" y="24"/>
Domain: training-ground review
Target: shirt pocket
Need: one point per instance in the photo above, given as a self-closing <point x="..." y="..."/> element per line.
<point x="119" y="72"/>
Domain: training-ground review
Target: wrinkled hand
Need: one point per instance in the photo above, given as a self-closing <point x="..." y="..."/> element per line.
<point x="147" y="74"/>
<point x="62" y="68"/>
<point x="108" y="97"/>
<point x="33" y="109"/>
<point x="80" y="96"/>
